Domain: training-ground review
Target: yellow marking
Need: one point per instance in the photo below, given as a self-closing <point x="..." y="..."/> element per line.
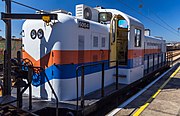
<point x="46" y="19"/>
<point x="156" y="93"/>
<point x="0" y="92"/>
<point x="175" y="72"/>
<point x="142" y="108"/>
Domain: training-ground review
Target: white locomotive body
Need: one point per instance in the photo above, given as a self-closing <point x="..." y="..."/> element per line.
<point x="72" y="41"/>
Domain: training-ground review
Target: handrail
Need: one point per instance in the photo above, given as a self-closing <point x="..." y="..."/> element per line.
<point x="57" y="101"/>
<point x="82" y="67"/>
<point x="42" y="70"/>
<point x="167" y="56"/>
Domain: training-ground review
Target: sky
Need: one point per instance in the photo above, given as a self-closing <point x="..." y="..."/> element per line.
<point x="162" y="17"/>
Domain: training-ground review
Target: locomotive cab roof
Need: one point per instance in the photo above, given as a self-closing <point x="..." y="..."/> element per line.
<point x="131" y="20"/>
<point x="94" y="14"/>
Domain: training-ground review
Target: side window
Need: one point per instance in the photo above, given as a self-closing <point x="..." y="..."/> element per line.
<point x="103" y="42"/>
<point x="137" y="39"/>
<point x="95" y="41"/>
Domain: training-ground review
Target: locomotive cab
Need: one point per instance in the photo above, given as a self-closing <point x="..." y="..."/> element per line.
<point x="126" y="43"/>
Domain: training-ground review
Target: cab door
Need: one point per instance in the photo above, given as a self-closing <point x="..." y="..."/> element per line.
<point x="112" y="42"/>
<point x="118" y="40"/>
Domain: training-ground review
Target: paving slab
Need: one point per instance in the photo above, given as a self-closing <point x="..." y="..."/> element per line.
<point x="163" y="106"/>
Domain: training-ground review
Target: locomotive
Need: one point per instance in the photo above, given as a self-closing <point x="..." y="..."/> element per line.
<point x="92" y="36"/>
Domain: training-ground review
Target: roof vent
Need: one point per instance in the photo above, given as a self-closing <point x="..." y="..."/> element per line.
<point x="147" y="32"/>
<point x="60" y="11"/>
<point x="86" y="12"/>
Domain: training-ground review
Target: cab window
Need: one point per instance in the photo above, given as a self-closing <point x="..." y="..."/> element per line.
<point x="137" y="39"/>
<point x="105" y="17"/>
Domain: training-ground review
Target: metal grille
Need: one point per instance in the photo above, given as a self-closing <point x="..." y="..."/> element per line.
<point x="95" y="41"/>
<point x="103" y="42"/>
<point x="80" y="49"/>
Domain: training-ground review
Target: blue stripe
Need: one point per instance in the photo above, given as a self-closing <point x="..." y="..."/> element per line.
<point x="68" y="71"/>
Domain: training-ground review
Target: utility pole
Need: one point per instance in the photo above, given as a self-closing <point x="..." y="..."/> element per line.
<point x="7" y="61"/>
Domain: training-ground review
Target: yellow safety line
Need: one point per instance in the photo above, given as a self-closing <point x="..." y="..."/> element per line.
<point x="154" y="96"/>
<point x="143" y="107"/>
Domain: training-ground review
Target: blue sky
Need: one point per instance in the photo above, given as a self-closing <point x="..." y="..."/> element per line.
<point x="168" y="10"/>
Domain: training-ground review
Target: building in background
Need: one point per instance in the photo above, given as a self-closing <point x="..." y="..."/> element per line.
<point x="173" y="46"/>
<point x="16" y="45"/>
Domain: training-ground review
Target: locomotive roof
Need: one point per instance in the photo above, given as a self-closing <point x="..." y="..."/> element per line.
<point x="154" y="38"/>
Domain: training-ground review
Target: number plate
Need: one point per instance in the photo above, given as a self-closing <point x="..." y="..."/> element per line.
<point x="83" y="24"/>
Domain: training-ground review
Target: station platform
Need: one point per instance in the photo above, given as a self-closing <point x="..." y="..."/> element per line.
<point x="161" y="99"/>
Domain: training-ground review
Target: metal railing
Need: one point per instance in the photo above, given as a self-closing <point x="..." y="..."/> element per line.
<point x="31" y="70"/>
<point x="169" y="58"/>
<point x="166" y="59"/>
<point x="82" y="68"/>
<point x="41" y="70"/>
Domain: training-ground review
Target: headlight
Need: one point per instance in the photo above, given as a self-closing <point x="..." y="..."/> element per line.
<point x="40" y="34"/>
<point x="22" y="33"/>
<point x="33" y="34"/>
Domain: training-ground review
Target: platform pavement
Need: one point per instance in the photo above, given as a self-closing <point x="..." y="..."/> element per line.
<point x="166" y="103"/>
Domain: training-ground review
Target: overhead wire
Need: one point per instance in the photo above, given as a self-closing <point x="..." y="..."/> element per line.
<point x="147" y="17"/>
<point x="123" y="4"/>
<point x="159" y="17"/>
<point x="165" y="22"/>
<point x="28" y="6"/>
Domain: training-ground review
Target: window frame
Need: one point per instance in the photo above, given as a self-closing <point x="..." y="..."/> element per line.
<point x="137" y="33"/>
<point x="108" y="14"/>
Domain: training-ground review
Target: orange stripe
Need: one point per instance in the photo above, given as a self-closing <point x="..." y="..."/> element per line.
<point x="89" y="56"/>
<point x="73" y="57"/>
<point x="140" y="53"/>
<point x="68" y="57"/>
<point x="135" y="53"/>
<point x="152" y="51"/>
